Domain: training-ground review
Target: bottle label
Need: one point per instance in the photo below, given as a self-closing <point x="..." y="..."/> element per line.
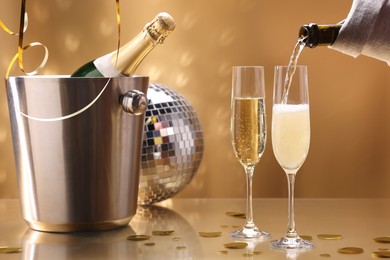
<point x="105" y="66"/>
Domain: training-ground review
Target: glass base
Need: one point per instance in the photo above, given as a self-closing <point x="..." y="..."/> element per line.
<point x="291" y="243"/>
<point x="250" y="234"/>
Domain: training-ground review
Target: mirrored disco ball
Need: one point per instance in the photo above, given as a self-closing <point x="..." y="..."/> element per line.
<point x="172" y="146"/>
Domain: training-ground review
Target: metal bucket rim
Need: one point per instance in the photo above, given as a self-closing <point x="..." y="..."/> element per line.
<point x="105" y="80"/>
<point x="73" y="78"/>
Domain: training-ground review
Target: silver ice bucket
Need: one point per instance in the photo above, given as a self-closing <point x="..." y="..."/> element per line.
<point x="77" y="149"/>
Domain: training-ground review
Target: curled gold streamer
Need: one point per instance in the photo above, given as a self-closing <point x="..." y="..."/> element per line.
<point x="5" y="28"/>
<point x="118" y="19"/>
<point x="70" y="115"/>
<point x="117" y="4"/>
<point x="19" y="55"/>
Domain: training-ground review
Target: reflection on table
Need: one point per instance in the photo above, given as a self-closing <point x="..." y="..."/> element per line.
<point x="358" y="221"/>
<point x="114" y="245"/>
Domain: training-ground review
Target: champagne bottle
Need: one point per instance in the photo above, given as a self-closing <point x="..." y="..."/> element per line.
<point x="313" y="35"/>
<point x="132" y="53"/>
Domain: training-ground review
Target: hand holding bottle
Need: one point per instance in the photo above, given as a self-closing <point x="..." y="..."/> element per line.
<point x="366" y="31"/>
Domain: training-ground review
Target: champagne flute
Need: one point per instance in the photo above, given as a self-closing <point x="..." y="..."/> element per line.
<point x="291" y="139"/>
<point x="248" y="133"/>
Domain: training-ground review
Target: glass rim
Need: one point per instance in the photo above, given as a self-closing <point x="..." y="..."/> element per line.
<point x="286" y="66"/>
<point x="248" y="66"/>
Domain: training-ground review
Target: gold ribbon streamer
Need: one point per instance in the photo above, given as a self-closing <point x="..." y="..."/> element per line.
<point x="70" y="115"/>
<point x="118" y="19"/>
<point x="117" y="4"/>
<point x="5" y="28"/>
<point x="19" y="55"/>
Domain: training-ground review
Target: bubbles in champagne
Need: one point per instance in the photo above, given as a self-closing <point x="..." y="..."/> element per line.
<point x="249" y="129"/>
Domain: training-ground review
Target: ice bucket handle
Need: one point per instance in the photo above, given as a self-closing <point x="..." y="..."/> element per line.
<point x="134" y="102"/>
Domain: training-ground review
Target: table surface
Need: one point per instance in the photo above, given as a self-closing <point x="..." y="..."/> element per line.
<point x="357" y="220"/>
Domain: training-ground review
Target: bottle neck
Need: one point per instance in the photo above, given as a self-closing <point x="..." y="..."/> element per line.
<point x="314" y="35"/>
<point x="132" y="53"/>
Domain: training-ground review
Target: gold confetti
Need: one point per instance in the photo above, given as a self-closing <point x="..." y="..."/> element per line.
<point x="236" y="245"/>
<point x="382" y="239"/>
<point x="236" y="214"/>
<point x="381" y="254"/>
<point x="382" y="249"/>
<point x="329" y="236"/>
<point x="223" y="252"/>
<point x="138" y="237"/>
<point x="176" y="238"/>
<point x="162" y="232"/>
<point x="325" y="255"/>
<point x="181" y="247"/>
<point x="224" y="226"/>
<point x="350" y="250"/>
<point x="257" y="252"/>
<point x="305" y="237"/>
<point x="210" y="234"/>
<point x="247" y="255"/>
<point x="150" y="244"/>
<point x="10" y="250"/>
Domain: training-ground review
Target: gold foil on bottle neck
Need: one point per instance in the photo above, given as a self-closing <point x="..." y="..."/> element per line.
<point x="132" y="53"/>
<point x="161" y="26"/>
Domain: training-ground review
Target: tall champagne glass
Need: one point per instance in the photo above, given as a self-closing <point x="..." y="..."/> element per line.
<point x="291" y="139"/>
<point x="248" y="133"/>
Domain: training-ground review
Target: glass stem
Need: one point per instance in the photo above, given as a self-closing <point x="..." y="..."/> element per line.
<point x="249" y="210"/>
<point x="291" y="232"/>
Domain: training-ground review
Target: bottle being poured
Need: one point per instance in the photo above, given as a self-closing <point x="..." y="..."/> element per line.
<point x="132" y="53"/>
<point x="365" y="31"/>
<point x="311" y="35"/>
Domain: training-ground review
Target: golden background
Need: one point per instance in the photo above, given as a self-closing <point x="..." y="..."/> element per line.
<point x="350" y="98"/>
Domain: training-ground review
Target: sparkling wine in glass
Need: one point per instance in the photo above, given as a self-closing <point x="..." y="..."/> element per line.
<point x="248" y="133"/>
<point x="291" y="140"/>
